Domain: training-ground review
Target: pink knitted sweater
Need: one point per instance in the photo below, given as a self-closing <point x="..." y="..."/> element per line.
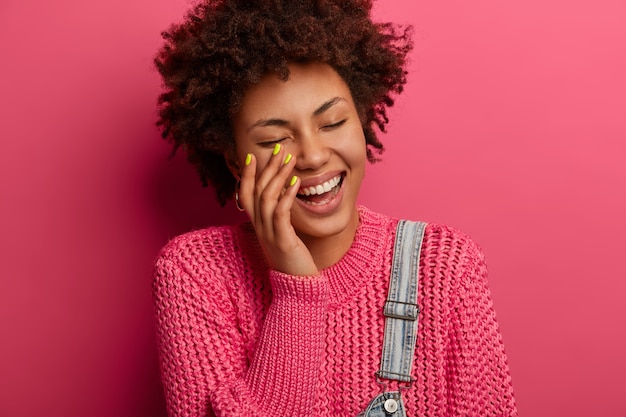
<point x="238" y="339"/>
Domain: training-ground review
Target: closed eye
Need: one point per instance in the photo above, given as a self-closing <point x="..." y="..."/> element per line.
<point x="334" y="125"/>
<point x="271" y="143"/>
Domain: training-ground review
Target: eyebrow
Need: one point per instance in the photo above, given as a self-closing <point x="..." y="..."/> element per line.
<point x="321" y="109"/>
<point x="280" y="122"/>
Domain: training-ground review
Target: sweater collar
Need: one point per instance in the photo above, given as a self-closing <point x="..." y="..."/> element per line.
<point x="364" y="259"/>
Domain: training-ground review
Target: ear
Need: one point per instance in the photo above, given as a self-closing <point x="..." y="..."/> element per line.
<point x="231" y="162"/>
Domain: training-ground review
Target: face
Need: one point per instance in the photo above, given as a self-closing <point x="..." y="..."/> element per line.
<point x="313" y="117"/>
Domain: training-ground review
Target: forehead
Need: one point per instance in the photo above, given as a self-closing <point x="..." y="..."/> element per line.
<point x="309" y="85"/>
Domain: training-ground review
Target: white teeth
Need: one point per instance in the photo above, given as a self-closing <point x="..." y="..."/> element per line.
<point x="321" y="188"/>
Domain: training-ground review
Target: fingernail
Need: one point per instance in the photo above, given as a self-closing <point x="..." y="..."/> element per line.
<point x="276" y="149"/>
<point x="248" y="159"/>
<point x="289" y="156"/>
<point x="294" y="179"/>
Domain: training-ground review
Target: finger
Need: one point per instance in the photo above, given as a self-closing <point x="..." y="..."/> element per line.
<point x="273" y="191"/>
<point x="276" y="185"/>
<point x="271" y="168"/>
<point x="283" y="229"/>
<point x="263" y="178"/>
<point x="270" y="184"/>
<point x="246" y="186"/>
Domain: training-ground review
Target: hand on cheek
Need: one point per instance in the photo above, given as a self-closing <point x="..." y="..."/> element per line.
<point x="267" y="198"/>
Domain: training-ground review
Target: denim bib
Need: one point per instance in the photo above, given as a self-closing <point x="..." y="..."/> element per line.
<point x="401" y="311"/>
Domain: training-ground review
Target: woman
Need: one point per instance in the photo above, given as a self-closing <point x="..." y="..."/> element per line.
<point x="274" y="103"/>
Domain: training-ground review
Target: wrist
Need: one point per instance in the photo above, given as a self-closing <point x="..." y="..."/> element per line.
<point x="308" y="288"/>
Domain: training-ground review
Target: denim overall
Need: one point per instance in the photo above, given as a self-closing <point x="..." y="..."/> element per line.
<point x="401" y="312"/>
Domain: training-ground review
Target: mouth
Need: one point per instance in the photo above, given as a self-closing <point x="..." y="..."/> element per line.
<point x="323" y="193"/>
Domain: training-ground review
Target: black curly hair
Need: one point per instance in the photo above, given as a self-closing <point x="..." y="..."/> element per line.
<point x="224" y="46"/>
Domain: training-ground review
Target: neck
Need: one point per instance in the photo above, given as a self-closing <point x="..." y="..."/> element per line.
<point x="329" y="250"/>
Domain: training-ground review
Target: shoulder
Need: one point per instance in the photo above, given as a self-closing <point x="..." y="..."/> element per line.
<point x="446" y="241"/>
<point x="452" y="259"/>
<point x="209" y="239"/>
<point x="207" y="270"/>
<point x="440" y="242"/>
<point x="449" y="256"/>
<point x="203" y="252"/>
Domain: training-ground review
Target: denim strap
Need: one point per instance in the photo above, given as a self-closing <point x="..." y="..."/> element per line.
<point x="401" y="308"/>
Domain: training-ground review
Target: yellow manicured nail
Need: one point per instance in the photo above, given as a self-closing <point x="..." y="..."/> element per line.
<point x="289" y="156"/>
<point x="248" y="159"/>
<point x="276" y="149"/>
<point x="294" y="179"/>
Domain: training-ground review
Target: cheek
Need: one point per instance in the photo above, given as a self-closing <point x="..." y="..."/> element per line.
<point x="354" y="149"/>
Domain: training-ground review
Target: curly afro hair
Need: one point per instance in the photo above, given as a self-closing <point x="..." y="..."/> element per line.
<point x="223" y="47"/>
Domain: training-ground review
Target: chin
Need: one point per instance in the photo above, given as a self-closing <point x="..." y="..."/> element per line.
<point x="309" y="227"/>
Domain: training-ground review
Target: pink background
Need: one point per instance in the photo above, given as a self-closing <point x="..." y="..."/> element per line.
<point x="512" y="128"/>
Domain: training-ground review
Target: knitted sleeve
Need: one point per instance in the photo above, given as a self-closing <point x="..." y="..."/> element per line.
<point x="204" y="365"/>
<point x="480" y="378"/>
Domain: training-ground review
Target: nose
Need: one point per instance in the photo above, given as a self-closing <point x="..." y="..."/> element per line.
<point x="312" y="152"/>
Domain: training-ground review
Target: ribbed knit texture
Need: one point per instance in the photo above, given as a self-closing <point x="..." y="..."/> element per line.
<point x="237" y="339"/>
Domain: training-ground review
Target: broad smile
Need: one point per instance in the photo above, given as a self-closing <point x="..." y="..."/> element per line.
<point x="320" y="189"/>
<point x="322" y="193"/>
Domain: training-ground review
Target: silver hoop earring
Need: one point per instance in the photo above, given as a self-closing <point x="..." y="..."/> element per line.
<point x="237" y="195"/>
